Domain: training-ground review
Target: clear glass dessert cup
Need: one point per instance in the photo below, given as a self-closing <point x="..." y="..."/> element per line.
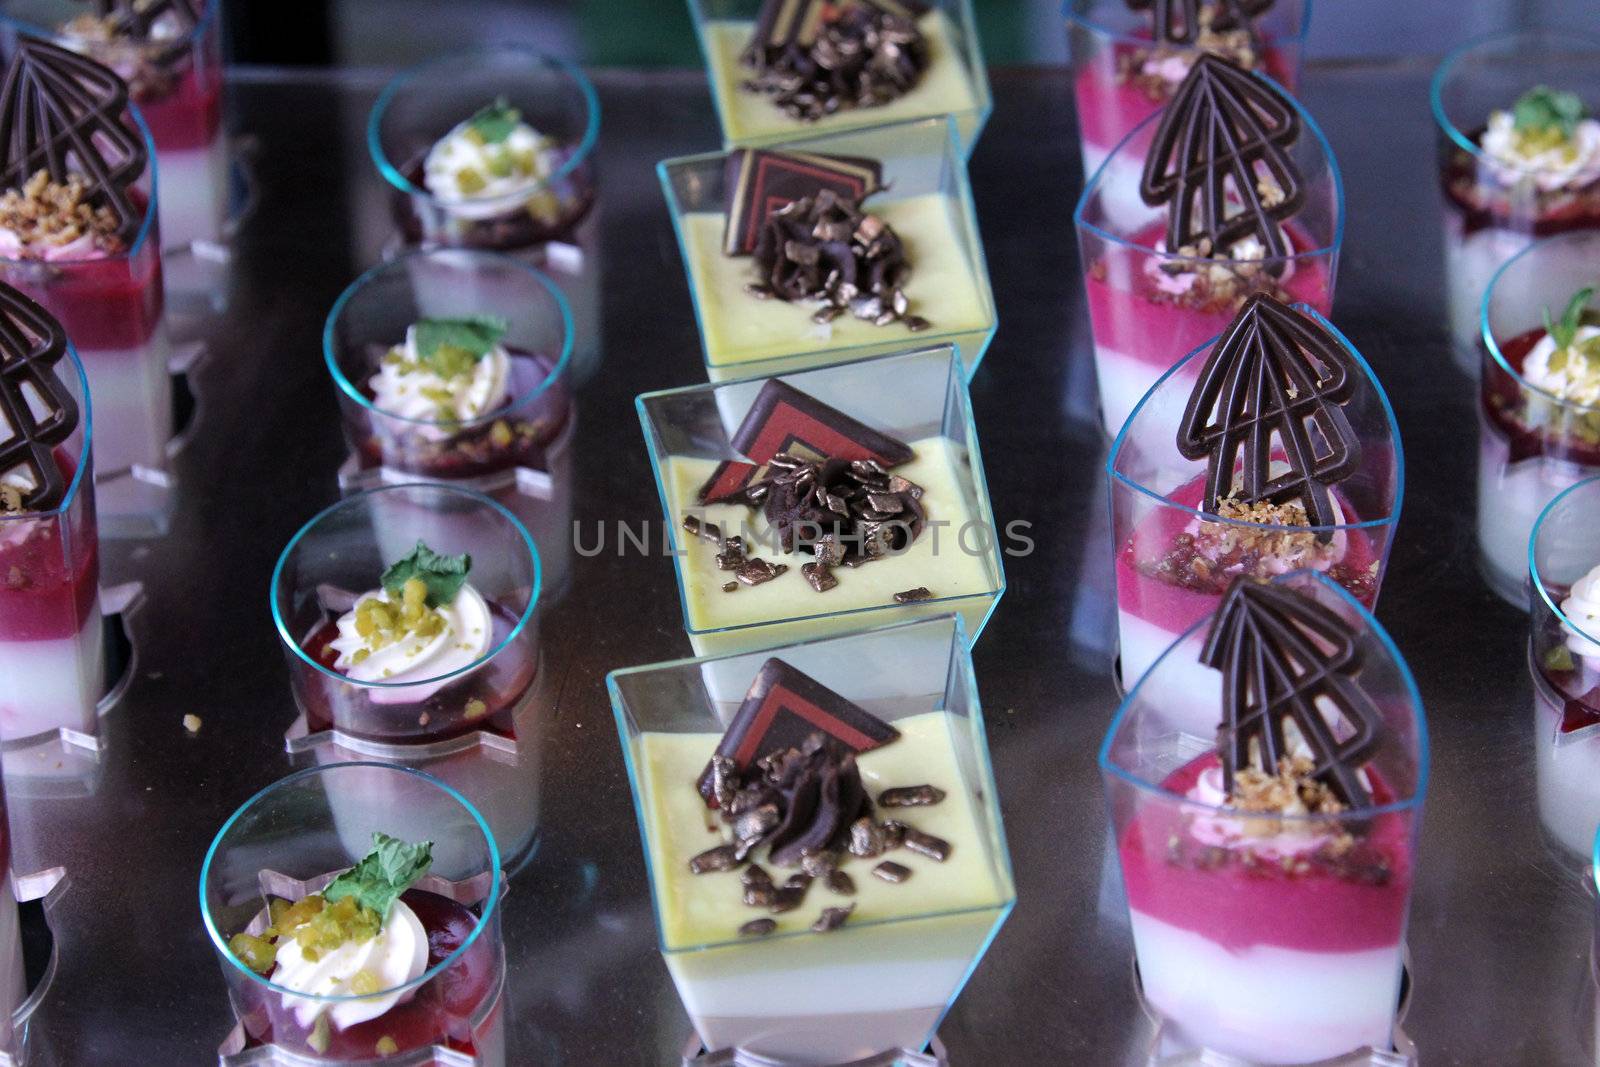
<point x="112" y="308"/>
<point x="175" y="77"/>
<point x="1492" y="209"/>
<point x="918" y="397"/>
<point x="1120" y="76"/>
<point x="553" y="222"/>
<point x="1564" y="661"/>
<point x="1532" y="444"/>
<point x="926" y="198"/>
<point x="1160" y="530"/>
<point x="1148" y="305"/>
<point x="884" y="979"/>
<point x="1253" y="938"/>
<point x="955" y="83"/>
<point x="52" y="642"/>
<point x="288" y="841"/>
<point x="520" y="451"/>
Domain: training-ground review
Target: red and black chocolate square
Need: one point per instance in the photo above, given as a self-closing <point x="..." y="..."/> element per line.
<point x="760" y="182"/>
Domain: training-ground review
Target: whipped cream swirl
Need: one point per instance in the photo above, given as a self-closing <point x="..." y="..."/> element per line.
<point x="1571" y="163"/>
<point x="395" y="955"/>
<point x="1573" y="377"/>
<point x="476" y="176"/>
<point x="460" y="638"/>
<point x="407" y="387"/>
<point x="1582" y="609"/>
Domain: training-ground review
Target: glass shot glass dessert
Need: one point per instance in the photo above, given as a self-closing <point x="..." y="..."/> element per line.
<point x="454" y="366"/>
<point x="1273" y="449"/>
<point x="358" y="936"/>
<point x="493" y="148"/>
<point x="823" y="835"/>
<point x="1267" y="833"/>
<point x="1519" y="156"/>
<point x="52" y="653"/>
<point x="78" y="234"/>
<point x="1564" y="660"/>
<point x="782" y="70"/>
<point x="824" y="501"/>
<point x="831" y="248"/>
<point x="1128" y="59"/>
<point x="1539" y="421"/>
<point x="1261" y="211"/>
<point x="408" y="619"/>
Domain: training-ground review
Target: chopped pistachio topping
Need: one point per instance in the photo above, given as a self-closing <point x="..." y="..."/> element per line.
<point x="494" y="122"/>
<point x="1558" y="658"/>
<point x="386" y="1046"/>
<point x="383" y="623"/>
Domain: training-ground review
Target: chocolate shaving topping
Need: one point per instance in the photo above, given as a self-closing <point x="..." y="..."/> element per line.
<point x="37" y="412"/>
<point x="817" y="57"/>
<point x="1221" y="148"/>
<point x="832" y="919"/>
<point x="1275" y="385"/>
<point x="1284" y="658"/>
<point x="730" y="587"/>
<point x="866" y="838"/>
<point x="891" y="871"/>
<point x="756" y="571"/>
<point x="911" y="596"/>
<point x="1178" y="21"/>
<point x="829" y="504"/>
<point x="63" y="113"/>
<point x="757" y="928"/>
<point x="935" y="848"/>
<point x="820" y="577"/>
<point x="841" y="883"/>
<point x="910" y="796"/>
<point x="720" y="858"/>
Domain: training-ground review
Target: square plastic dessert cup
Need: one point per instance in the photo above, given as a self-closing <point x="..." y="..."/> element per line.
<point x="176" y="81"/>
<point x="553" y="224"/>
<point x="1121" y="77"/>
<point x="52" y="641"/>
<point x="873" y="984"/>
<point x="1531" y="443"/>
<point x="919" y="397"/>
<point x="288" y="841"/>
<point x="112" y="308"/>
<point x="928" y="201"/>
<point x="1156" y="499"/>
<point x="1241" y="958"/>
<point x="1491" y="211"/>
<point x="956" y="82"/>
<point x="519" y="452"/>
<point x="1137" y="314"/>
<point x="1564" y="662"/>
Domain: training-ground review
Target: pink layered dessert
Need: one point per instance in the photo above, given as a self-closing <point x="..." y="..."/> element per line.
<point x="1284" y="948"/>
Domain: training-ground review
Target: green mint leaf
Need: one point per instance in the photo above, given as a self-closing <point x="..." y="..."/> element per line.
<point x="1565" y="331"/>
<point x="383" y="874"/>
<point x="476" y="335"/>
<point x="1544" y="110"/>
<point x="443" y="575"/>
<point x="495" y="121"/>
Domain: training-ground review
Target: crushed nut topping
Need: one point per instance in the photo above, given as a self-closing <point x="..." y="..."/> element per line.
<point x="1291" y="791"/>
<point x="1150" y="70"/>
<point x="48" y="214"/>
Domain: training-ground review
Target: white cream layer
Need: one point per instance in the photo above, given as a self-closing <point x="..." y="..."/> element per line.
<point x="397" y="954"/>
<point x="404" y="386"/>
<point x="464" y="639"/>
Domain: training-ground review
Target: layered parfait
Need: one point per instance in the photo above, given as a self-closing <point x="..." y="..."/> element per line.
<point x="814" y="66"/>
<point x="1302" y="475"/>
<point x="822" y="520"/>
<point x="52" y="655"/>
<point x="824" y="879"/>
<point x="1130" y="56"/>
<point x="169" y="52"/>
<point x="806" y="258"/>
<point x="1268" y="878"/>
<point x="1539" y="419"/>
<point x="77" y="234"/>
<point x="344" y="965"/>
<point x="1255" y="214"/>
<point x="1527" y="167"/>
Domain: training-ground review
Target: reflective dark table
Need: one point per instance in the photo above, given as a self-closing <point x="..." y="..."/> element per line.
<point x="1501" y="921"/>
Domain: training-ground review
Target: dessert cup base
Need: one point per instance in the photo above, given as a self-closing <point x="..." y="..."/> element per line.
<point x="695" y="1054"/>
<point x="137" y="501"/>
<point x="1169" y="1047"/>
<point x="37" y="896"/>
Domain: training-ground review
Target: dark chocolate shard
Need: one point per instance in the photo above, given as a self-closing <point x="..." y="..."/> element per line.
<point x="1220" y="161"/>
<point x="841" y="883"/>
<point x="63" y="113"/>
<point x="721" y="858"/>
<point x="1177" y="22"/>
<point x="819" y="575"/>
<point x="785" y="420"/>
<point x="910" y="796"/>
<point x="832" y="919"/>
<point x="760" y="182"/>
<point x="1284" y="658"/>
<point x="1273" y="387"/>
<point x="37" y="412"/>
<point x="783" y="708"/>
<point x="935" y="848"/>
<point x="866" y="838"/>
<point x="890" y="871"/>
<point x="911" y="596"/>
<point x="757" y="928"/>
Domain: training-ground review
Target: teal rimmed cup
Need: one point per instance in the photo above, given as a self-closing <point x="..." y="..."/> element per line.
<point x="1270" y="937"/>
<point x="287" y="842"/>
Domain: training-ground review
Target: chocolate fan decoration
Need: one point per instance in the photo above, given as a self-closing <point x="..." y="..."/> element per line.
<point x="1224" y="137"/>
<point x="1178" y="21"/>
<point x="62" y="112"/>
<point x="1284" y="658"/>
<point x="37" y="410"/>
<point x="1275" y="380"/>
